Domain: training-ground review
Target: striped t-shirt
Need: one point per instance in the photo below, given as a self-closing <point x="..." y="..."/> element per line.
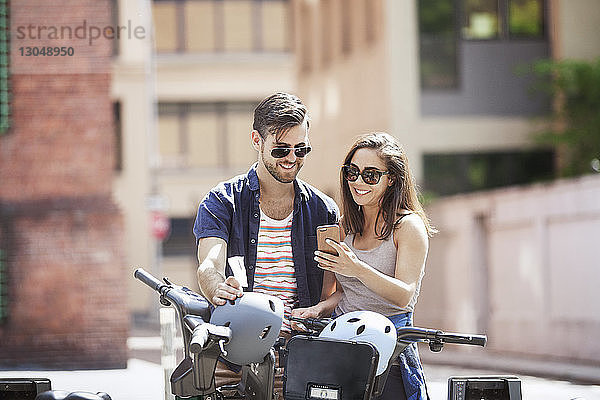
<point x="274" y="273"/>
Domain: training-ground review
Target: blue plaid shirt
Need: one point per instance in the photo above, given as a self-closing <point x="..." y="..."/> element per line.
<point x="230" y="211"/>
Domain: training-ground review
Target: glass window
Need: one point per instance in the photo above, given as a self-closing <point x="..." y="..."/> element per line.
<point x="165" y="26"/>
<point x="306" y="50"/>
<point x="203" y="136"/>
<point x="370" y="9"/>
<point x="438" y="44"/>
<point x="326" y="34"/>
<point x="3" y="286"/>
<point x="169" y="129"/>
<point x="346" y="26"/>
<point x="237" y="25"/>
<point x="239" y="125"/>
<point x="526" y="18"/>
<point x="200" y="26"/>
<point x="4" y="67"/>
<point x="446" y="174"/>
<point x="222" y="25"/>
<point x="118" y="136"/>
<point x="480" y="19"/>
<point x="275" y="26"/>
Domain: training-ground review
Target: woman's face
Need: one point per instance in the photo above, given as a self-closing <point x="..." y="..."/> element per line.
<point x="364" y="194"/>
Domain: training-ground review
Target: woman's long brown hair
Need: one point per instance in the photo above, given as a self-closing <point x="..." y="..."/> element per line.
<point x="400" y="195"/>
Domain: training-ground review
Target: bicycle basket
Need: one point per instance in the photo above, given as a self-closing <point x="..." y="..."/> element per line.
<point x="322" y="368"/>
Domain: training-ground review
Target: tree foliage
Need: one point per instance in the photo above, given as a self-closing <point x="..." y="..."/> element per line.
<point x="575" y="128"/>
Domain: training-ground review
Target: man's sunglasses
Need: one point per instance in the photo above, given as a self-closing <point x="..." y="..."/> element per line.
<point x="370" y="175"/>
<point x="280" y="152"/>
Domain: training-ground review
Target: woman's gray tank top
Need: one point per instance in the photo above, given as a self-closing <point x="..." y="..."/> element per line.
<point x="359" y="297"/>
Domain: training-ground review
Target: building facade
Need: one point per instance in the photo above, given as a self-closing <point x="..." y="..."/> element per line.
<point x="186" y="99"/>
<point x="449" y="78"/>
<point x="62" y="275"/>
<point x="445" y="77"/>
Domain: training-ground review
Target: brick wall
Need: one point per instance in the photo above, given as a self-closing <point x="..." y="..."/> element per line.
<point x="59" y="226"/>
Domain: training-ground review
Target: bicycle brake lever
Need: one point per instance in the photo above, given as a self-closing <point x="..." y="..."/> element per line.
<point x="163" y="300"/>
<point x="222" y="347"/>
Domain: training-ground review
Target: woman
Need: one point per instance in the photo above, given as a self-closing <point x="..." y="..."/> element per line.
<point x="381" y="261"/>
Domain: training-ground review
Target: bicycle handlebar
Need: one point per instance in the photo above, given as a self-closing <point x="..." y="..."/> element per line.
<point x="148" y="279"/>
<point x="416" y="334"/>
<point x="409" y="333"/>
<point x="199" y="339"/>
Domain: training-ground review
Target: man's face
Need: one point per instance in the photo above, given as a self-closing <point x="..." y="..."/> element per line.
<point x="286" y="168"/>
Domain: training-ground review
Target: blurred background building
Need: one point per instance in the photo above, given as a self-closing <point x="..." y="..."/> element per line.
<point x="62" y="255"/>
<point x="213" y="62"/>
<point x="441" y="75"/>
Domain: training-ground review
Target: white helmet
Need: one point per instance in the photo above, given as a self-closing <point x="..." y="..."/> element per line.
<point x="255" y="320"/>
<point x="365" y="326"/>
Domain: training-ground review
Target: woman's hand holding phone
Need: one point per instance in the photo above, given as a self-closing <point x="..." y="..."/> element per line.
<point x="334" y="255"/>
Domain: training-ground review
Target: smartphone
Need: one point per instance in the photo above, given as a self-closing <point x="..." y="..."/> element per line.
<point x="327" y="232"/>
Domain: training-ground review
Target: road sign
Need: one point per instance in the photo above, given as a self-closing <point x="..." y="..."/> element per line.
<point x="160" y="225"/>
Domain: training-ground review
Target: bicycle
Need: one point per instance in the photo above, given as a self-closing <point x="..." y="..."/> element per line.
<point x="204" y="343"/>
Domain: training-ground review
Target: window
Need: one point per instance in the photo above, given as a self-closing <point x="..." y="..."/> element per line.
<point x="444" y="23"/>
<point x="115" y="22"/>
<point x="205" y="135"/>
<point x="4" y="66"/>
<point x="118" y="136"/>
<point x="446" y="174"/>
<point x="480" y="19"/>
<point x="438" y="44"/>
<point x="526" y="19"/>
<point x="504" y="19"/>
<point x="197" y="26"/>
<point x="306" y="40"/>
<point x="3" y="268"/>
<point x="181" y="241"/>
<point x="346" y="25"/>
<point x="371" y="14"/>
<point x="326" y="16"/>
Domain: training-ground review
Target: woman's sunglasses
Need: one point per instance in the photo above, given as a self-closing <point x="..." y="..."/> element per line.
<point x="280" y="152"/>
<point x="370" y="175"/>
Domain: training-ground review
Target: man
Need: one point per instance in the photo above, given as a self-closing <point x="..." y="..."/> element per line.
<point x="257" y="231"/>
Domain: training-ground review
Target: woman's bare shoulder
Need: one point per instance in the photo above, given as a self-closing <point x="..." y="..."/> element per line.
<point x="410" y="227"/>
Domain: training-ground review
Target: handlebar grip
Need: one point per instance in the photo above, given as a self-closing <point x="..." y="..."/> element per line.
<point x="479" y="340"/>
<point x="474" y="340"/>
<point x="147" y="279"/>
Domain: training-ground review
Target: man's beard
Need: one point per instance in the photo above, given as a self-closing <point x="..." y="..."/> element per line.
<point x="276" y="174"/>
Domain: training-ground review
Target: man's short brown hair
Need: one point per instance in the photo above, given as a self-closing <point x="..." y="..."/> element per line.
<point x="278" y="113"/>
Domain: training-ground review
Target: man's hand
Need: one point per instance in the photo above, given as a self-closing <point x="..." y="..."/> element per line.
<point x="228" y="290"/>
<point x="308" y="312"/>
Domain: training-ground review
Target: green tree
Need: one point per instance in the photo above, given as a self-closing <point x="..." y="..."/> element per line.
<point x="575" y="127"/>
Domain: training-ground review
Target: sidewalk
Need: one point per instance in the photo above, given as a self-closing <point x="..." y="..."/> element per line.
<point x="141" y="380"/>
<point x="511" y="365"/>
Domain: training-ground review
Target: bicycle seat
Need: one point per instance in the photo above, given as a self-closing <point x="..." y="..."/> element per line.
<point x="64" y="395"/>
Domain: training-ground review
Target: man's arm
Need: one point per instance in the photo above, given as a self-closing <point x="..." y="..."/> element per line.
<point x="212" y="256"/>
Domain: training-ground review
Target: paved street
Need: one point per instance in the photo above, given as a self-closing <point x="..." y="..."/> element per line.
<point x="532" y="388"/>
<point x="144" y="378"/>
